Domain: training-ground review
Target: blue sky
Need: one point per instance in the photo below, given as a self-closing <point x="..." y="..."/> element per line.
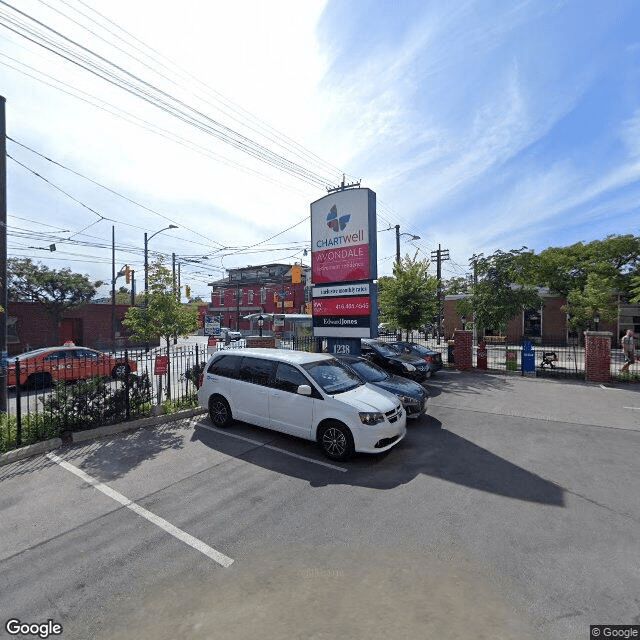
<point x="480" y="126"/>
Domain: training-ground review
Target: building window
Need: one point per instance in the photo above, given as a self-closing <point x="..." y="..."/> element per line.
<point x="250" y="296"/>
<point x="532" y="323"/>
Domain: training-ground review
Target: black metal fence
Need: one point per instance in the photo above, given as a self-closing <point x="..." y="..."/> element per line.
<point x="71" y="395"/>
<point x="55" y="397"/>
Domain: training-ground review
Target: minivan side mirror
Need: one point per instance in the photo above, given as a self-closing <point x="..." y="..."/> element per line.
<point x="304" y="390"/>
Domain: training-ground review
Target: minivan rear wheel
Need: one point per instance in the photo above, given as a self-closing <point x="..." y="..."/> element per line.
<point x="219" y="411"/>
<point x="336" y="441"/>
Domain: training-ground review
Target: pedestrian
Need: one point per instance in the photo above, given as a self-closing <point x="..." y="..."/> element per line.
<point x="628" y="350"/>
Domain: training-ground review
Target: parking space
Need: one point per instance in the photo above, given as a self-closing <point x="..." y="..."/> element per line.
<point x="478" y="522"/>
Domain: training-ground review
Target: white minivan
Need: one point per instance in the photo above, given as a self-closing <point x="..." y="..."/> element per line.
<point x="310" y="395"/>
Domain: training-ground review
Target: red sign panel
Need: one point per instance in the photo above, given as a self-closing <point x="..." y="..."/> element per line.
<point x="161" y="365"/>
<point x="356" y="306"/>
<point x="341" y="264"/>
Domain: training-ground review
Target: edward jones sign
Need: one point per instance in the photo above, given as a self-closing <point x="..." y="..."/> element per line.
<point x="341" y="243"/>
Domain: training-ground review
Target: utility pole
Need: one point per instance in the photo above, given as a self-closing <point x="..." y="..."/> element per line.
<point x="3" y="259"/>
<point x="173" y="271"/>
<point x="342" y="186"/>
<point x="113" y="288"/>
<point x="439" y="255"/>
<point x="397" y="244"/>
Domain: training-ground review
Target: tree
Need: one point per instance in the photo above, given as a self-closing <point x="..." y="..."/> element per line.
<point x="502" y="291"/>
<point x="163" y="314"/>
<point x="57" y="291"/>
<point x="566" y="269"/>
<point x="456" y="286"/>
<point x="594" y="299"/>
<point x="123" y="296"/>
<point x="635" y="289"/>
<point x="409" y="298"/>
<point x="590" y="276"/>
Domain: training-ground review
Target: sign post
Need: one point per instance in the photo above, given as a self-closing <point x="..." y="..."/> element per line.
<point x="344" y="268"/>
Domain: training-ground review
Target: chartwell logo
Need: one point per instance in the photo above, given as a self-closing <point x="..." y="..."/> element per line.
<point x="335" y="223"/>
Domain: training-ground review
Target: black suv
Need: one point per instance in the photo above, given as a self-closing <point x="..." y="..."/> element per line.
<point x="431" y="357"/>
<point x="391" y="360"/>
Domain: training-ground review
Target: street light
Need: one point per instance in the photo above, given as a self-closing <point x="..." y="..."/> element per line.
<point x="463" y="319"/>
<point x="398" y="234"/>
<point x="596" y="319"/>
<point x="146" y="254"/>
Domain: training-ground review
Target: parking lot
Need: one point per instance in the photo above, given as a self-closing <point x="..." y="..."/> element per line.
<point x="510" y="511"/>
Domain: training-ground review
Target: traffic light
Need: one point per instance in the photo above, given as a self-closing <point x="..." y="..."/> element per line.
<point x="127" y="273"/>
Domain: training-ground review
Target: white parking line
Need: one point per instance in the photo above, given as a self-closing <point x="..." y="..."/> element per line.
<point x="198" y="545"/>
<point x="635" y="408"/>
<point x="268" y="446"/>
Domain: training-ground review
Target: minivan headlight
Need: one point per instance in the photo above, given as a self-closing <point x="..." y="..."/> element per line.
<point x="408" y="367"/>
<point x="371" y="417"/>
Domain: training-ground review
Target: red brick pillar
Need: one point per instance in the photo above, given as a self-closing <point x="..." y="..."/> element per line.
<point x="463" y="349"/>
<point x="597" y="356"/>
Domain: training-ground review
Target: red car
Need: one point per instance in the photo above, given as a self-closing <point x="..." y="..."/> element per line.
<point x="39" y="368"/>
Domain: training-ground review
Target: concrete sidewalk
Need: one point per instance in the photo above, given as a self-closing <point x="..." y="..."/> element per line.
<point x="577" y="402"/>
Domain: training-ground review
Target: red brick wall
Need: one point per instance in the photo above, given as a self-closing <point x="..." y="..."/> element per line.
<point x="597" y="356"/>
<point x="35" y="329"/>
<point x="463" y="350"/>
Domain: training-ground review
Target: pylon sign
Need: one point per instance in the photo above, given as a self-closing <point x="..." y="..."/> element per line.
<point x="344" y="264"/>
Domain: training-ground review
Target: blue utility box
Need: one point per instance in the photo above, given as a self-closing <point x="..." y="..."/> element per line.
<point x="528" y="357"/>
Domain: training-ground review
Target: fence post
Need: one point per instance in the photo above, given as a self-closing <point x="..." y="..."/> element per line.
<point x="127" y="399"/>
<point x="597" y="356"/>
<point x="18" y="406"/>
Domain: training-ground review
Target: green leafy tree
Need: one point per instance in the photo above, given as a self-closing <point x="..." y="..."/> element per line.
<point x="162" y="315"/>
<point x="456" y="286"/>
<point x="590" y="275"/>
<point x="635" y="289"/>
<point x="595" y="298"/>
<point x="55" y="290"/>
<point x="566" y="269"/>
<point x="123" y="296"/>
<point x="502" y="290"/>
<point x="409" y="298"/>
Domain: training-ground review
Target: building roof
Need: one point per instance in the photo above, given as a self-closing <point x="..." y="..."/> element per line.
<point x="272" y="273"/>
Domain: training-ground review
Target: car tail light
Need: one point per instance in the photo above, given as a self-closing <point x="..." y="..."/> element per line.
<point x="429" y="359"/>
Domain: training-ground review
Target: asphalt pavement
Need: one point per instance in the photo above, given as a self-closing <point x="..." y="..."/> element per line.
<point x="612" y="405"/>
<point x="510" y="511"/>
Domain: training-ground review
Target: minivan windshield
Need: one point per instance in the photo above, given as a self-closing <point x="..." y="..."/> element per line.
<point x="332" y="376"/>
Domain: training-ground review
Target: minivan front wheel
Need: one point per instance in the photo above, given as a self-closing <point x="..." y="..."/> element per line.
<point x="219" y="411"/>
<point x="336" y="441"/>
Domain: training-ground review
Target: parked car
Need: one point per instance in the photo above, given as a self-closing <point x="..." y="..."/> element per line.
<point x="233" y="335"/>
<point x="39" y="368"/>
<point x="310" y="395"/>
<point x="412" y="395"/>
<point x="391" y="360"/>
<point x="431" y="357"/>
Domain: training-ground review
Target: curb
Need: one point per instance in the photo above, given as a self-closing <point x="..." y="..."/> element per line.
<point x="100" y="432"/>
<point x="29" y="450"/>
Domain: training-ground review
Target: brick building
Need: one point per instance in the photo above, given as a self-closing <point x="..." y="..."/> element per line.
<point x="548" y="324"/>
<point x="268" y="288"/>
<point x="30" y="327"/>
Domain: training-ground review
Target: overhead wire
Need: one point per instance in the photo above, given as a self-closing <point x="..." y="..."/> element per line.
<point x="107" y="70"/>
<point x="116" y="75"/>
